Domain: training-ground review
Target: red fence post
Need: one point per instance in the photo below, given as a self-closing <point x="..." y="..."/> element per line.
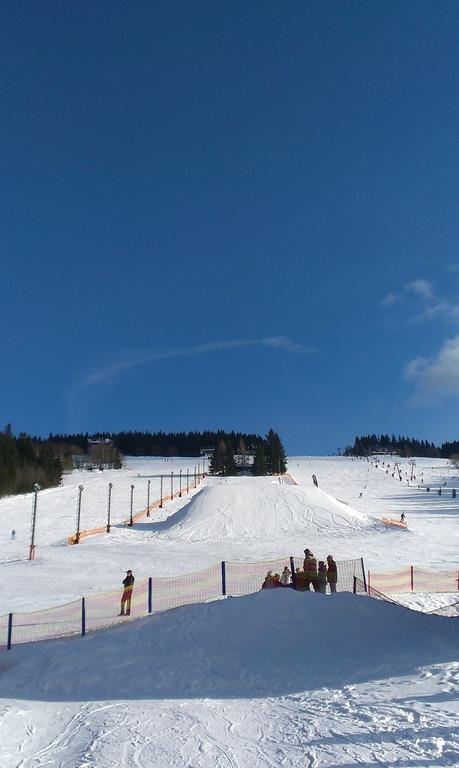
<point x="412" y="577"/>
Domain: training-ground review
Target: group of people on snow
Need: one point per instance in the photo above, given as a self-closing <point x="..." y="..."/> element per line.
<point x="315" y="575"/>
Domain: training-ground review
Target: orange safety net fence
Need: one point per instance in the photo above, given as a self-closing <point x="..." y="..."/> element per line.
<point x="414" y="579"/>
<point x="76" y="539"/>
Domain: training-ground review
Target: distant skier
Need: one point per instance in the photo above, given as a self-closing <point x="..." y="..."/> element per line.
<point x="128" y="584"/>
<point x="402" y="517"/>
<point x="13" y="534"/>
<point x="314" y="480"/>
<point x="332" y="573"/>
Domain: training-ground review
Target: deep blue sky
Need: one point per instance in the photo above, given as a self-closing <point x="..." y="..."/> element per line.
<point x="239" y="214"/>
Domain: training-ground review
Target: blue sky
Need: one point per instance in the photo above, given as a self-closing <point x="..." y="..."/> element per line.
<point x="230" y="214"/>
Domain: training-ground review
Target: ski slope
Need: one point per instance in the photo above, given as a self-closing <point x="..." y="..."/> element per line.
<point x="235" y="684"/>
<point x="276" y="678"/>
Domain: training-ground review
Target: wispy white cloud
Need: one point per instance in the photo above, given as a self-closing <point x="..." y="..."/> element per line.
<point x="436" y="377"/>
<point x="126" y="360"/>
<point x="422" y="288"/>
<point x="388" y="299"/>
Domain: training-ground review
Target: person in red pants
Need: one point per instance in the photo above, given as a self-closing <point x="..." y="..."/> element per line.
<point x="128" y="584"/>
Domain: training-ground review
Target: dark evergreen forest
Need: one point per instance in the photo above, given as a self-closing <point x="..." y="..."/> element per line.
<point x="403" y="446"/>
<point x="161" y="443"/>
<point x="25" y="461"/>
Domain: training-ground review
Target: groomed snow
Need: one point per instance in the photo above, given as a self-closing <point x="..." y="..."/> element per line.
<point x="274" y="679"/>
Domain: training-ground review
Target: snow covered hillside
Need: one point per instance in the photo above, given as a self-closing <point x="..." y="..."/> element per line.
<point x="277" y="678"/>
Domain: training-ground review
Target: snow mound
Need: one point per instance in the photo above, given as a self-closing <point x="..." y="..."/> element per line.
<point x="267" y="644"/>
<point x="257" y="508"/>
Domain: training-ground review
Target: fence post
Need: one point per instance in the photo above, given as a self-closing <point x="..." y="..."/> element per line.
<point x="292" y="568"/>
<point x="363" y="573"/>
<point x="369" y="583"/>
<point x="354" y="589"/>
<point x="150" y="594"/>
<point x="412" y="577"/>
<point x="223" y="578"/>
<point x="83" y="617"/>
<point x="10" y="631"/>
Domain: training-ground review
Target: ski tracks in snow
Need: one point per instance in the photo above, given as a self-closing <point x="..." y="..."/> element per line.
<point x="409" y="721"/>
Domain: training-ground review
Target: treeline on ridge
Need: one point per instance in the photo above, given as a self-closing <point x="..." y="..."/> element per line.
<point x="25" y="461"/>
<point x="401" y="445"/>
<point x="269" y="457"/>
<point x="160" y="443"/>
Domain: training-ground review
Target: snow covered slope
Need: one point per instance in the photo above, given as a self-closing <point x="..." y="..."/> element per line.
<point x="276" y="678"/>
<point x="259" y="508"/>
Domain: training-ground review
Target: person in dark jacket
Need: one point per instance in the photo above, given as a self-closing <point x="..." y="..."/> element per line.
<point x="332" y="573"/>
<point x="128" y="584"/>
<point x="277" y="580"/>
<point x="321" y="580"/>
<point x="268" y="582"/>
<point x="310" y="569"/>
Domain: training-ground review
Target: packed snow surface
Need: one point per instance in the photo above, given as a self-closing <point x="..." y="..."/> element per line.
<point x="274" y="679"/>
<point x="245" y="509"/>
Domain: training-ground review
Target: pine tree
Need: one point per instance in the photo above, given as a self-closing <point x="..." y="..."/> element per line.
<point x="230" y="467"/>
<point x="276" y="459"/>
<point x="259" y="465"/>
<point x="217" y="460"/>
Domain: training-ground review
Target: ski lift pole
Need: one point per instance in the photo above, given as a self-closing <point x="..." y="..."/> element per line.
<point x="109" y="504"/>
<point x="148" y="498"/>
<point x="161" y="499"/>
<point x="36" y="488"/>
<point x="131" y="521"/>
<point x="77" y="536"/>
<point x="180" y="484"/>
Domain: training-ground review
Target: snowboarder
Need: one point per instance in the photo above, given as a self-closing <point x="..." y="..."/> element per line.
<point x="332" y="573"/>
<point x="310" y="569"/>
<point x="402" y="517"/>
<point x="128" y="584"/>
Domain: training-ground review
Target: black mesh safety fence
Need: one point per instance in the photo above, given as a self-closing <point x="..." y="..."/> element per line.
<point x="4" y="632"/>
<point x="245" y="578"/>
<point x="347" y="570"/>
<point x="151" y="595"/>
<point x="171" y="592"/>
<point x="106" y="609"/>
<point x="50" y="623"/>
<point x="451" y="610"/>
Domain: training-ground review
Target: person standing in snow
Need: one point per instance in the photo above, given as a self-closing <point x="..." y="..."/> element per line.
<point x="285" y="577"/>
<point x="321" y="580"/>
<point x="310" y="569"/>
<point x="277" y="580"/>
<point x="332" y="573"/>
<point x="268" y="582"/>
<point x="128" y="584"/>
<point x="13" y="534"/>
